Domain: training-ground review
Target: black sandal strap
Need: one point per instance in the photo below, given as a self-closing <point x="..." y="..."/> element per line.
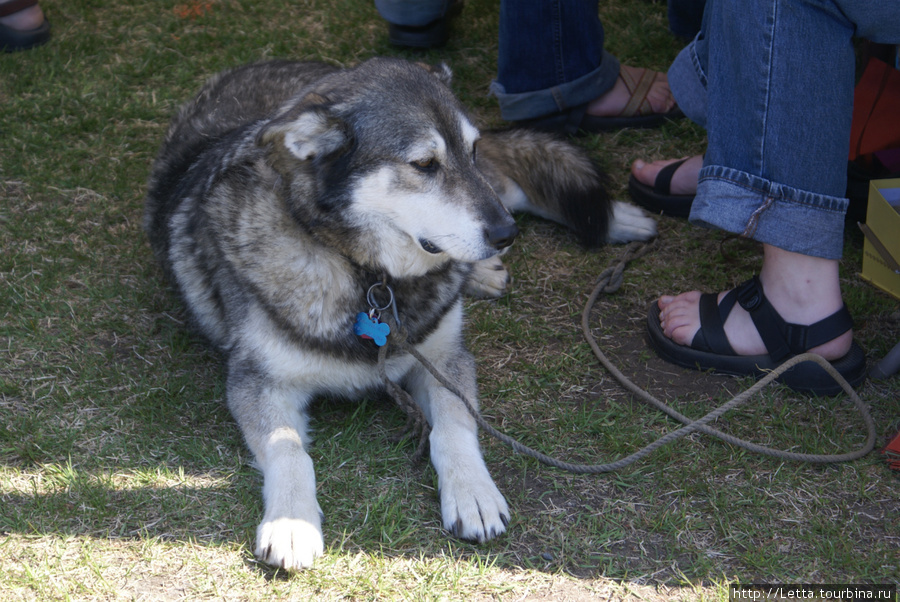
<point x="783" y="339"/>
<point x="802" y="338"/>
<point x="711" y="336"/>
<point x="663" y="182"/>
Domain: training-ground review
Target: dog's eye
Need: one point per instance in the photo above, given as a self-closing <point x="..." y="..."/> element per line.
<point x="425" y="164"/>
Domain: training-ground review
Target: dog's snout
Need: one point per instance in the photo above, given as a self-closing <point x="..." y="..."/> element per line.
<point x="501" y="237"/>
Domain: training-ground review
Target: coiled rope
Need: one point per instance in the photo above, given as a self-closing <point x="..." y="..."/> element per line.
<point x="609" y="282"/>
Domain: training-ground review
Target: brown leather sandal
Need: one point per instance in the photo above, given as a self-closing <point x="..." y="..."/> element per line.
<point x="637" y="112"/>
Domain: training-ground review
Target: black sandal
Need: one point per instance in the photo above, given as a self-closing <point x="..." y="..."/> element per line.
<point x="659" y="198"/>
<point x="710" y="349"/>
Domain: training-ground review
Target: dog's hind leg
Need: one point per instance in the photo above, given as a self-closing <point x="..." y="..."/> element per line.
<point x="472" y="507"/>
<point x="274" y="424"/>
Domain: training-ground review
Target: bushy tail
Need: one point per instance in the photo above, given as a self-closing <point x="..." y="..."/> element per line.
<point x="545" y="175"/>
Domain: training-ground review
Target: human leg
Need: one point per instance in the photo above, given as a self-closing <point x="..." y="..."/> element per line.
<point x="775" y="165"/>
<point x="551" y="57"/>
<point x="418" y="23"/>
<point x="669" y="186"/>
<point x="688" y="79"/>
<point x="552" y="66"/>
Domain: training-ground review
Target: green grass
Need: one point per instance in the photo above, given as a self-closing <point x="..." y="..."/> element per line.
<point x="123" y="476"/>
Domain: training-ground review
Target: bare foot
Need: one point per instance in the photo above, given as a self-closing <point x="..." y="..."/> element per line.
<point x="25" y="19"/>
<point x="684" y="180"/>
<point x="613" y="102"/>
<point x="802" y="289"/>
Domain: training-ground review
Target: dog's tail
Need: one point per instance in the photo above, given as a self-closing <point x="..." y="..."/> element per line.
<point x="542" y="174"/>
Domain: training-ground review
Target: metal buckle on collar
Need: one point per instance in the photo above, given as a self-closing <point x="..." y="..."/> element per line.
<point x="750" y="295"/>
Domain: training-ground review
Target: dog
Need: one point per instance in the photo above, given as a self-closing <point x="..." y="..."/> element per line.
<point x="299" y="209"/>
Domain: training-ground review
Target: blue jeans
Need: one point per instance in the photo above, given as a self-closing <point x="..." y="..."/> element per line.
<point x="772" y="81"/>
<point x="685" y="17"/>
<point x="411" y="13"/>
<point x="551" y="57"/>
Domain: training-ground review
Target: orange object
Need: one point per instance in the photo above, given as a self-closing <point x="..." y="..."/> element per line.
<point x="875" y="100"/>
<point x="892" y="451"/>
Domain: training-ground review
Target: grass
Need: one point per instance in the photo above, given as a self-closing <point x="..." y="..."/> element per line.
<point x="123" y="476"/>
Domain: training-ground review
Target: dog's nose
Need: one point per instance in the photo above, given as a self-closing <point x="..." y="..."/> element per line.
<point x="501" y="237"/>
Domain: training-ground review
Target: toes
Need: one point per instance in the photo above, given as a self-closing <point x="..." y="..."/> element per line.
<point x="679" y="316"/>
<point x="290" y="544"/>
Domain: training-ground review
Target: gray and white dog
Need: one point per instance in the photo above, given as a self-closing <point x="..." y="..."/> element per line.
<point x="292" y="202"/>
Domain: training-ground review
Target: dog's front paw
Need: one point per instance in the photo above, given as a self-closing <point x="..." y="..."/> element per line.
<point x="489" y="279"/>
<point x="289" y="543"/>
<point x="474" y="509"/>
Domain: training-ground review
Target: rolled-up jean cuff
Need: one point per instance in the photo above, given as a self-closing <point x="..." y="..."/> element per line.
<point x="688" y="84"/>
<point x="538" y="103"/>
<point x="788" y="218"/>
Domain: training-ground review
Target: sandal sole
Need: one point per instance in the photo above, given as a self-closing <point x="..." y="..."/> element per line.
<point x="673" y="205"/>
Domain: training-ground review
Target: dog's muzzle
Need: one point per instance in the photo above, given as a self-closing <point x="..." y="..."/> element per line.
<point x="499" y="237"/>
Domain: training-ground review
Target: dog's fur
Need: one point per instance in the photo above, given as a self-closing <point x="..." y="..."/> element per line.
<point x="285" y="190"/>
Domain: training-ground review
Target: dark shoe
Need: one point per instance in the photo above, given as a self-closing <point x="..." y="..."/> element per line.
<point x="432" y="35"/>
<point x="12" y="40"/>
<point x="659" y="198"/>
<point x="710" y="349"/>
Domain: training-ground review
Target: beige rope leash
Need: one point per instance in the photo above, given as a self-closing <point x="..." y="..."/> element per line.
<point x="608" y="282"/>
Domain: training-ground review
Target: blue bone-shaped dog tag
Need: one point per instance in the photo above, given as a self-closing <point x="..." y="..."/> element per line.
<point x="368" y="327"/>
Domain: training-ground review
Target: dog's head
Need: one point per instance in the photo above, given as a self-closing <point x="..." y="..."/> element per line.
<point x="384" y="155"/>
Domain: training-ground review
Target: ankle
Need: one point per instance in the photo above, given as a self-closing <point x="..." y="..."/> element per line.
<point x="805" y="290"/>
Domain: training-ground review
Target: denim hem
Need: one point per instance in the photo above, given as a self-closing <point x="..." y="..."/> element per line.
<point x="538" y="103"/>
<point x="788" y="218"/>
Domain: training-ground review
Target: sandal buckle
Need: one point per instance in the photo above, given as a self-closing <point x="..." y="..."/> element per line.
<point x="749" y="295"/>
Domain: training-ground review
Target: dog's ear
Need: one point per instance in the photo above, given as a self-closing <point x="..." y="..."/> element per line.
<point x="441" y="71"/>
<point x="308" y="131"/>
